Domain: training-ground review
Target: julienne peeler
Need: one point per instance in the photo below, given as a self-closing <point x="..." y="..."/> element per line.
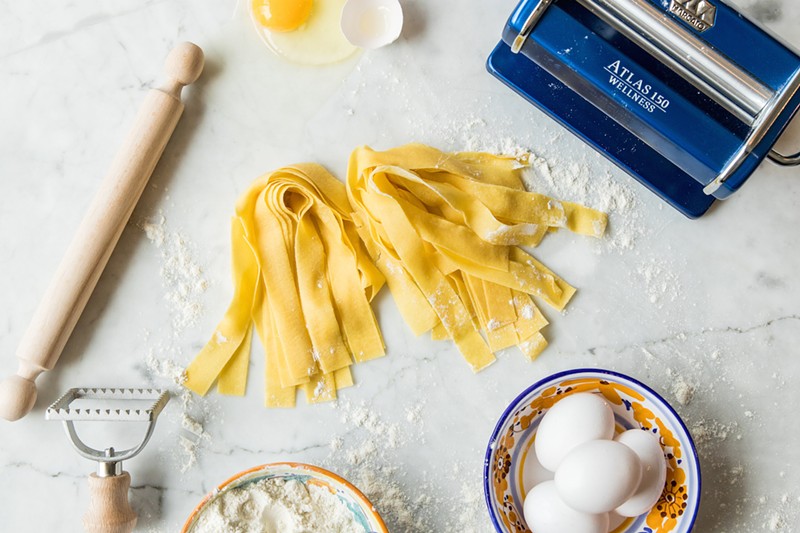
<point x="687" y="96"/>
<point x="109" y="509"/>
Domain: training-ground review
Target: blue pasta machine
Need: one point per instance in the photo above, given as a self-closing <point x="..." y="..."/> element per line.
<point x="687" y="96"/>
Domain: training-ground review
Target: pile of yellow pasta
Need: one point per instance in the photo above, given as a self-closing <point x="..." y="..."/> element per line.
<point x="442" y="230"/>
<point x="302" y="276"/>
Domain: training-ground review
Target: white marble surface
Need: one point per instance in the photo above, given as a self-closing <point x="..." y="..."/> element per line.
<point x="711" y="303"/>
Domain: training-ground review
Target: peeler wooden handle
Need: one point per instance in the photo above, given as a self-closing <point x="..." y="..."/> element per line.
<point x="98" y="233"/>
<point x="109" y="509"/>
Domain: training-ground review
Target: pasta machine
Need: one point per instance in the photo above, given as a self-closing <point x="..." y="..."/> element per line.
<point x="687" y="96"/>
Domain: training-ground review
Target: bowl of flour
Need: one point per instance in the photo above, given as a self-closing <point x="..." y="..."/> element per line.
<point x="285" y="498"/>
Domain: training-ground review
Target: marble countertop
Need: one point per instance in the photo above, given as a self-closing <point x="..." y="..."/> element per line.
<point x="706" y="312"/>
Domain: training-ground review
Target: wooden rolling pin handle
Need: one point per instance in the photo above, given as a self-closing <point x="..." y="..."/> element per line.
<point x="99" y="231"/>
<point x="109" y="509"/>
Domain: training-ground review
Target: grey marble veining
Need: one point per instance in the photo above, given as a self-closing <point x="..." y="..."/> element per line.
<point x="715" y="303"/>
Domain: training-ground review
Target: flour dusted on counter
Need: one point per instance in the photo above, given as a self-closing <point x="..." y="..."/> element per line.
<point x="183" y="282"/>
<point x="576" y="182"/>
<point x="683" y="391"/>
<point x="191" y="431"/>
<point x="165" y="368"/>
<point x="567" y="177"/>
<point x="277" y="506"/>
<point x="181" y="275"/>
<point x="366" y="458"/>
<point x="194" y="433"/>
<point x="661" y="282"/>
<point x="368" y="453"/>
<point x="474" y="140"/>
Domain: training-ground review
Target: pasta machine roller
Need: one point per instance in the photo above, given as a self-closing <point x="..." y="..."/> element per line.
<point x="687" y="96"/>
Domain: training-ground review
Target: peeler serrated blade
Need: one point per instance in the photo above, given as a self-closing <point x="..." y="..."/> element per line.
<point x="112" y="405"/>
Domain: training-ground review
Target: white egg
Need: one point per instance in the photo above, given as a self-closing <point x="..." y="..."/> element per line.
<point x="533" y="472"/>
<point x="546" y="512"/>
<point x="372" y="23"/>
<point x="572" y="421"/>
<point x="598" y="476"/>
<point x="654" y="471"/>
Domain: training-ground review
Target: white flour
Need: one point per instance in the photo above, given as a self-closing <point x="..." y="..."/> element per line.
<point x="193" y="410"/>
<point x="183" y="283"/>
<point x="367" y="463"/>
<point x="683" y="391"/>
<point x="181" y="276"/>
<point x="660" y="280"/>
<point x="574" y="181"/>
<point x="277" y="506"/>
<point x="725" y="436"/>
<point x="567" y="178"/>
<point x="369" y="452"/>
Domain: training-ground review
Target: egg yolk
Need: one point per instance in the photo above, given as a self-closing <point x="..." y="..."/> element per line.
<point x="281" y="15"/>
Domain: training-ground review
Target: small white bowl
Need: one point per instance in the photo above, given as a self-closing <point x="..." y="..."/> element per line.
<point x="372" y="24"/>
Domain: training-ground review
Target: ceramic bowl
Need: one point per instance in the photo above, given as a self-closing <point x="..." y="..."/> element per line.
<point x="363" y="511"/>
<point x="635" y="406"/>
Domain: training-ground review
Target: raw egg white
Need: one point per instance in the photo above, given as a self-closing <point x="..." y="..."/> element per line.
<point x="546" y="512"/>
<point x="572" y="421"/>
<point x="598" y="476"/>
<point x="654" y="471"/>
<point x="302" y="31"/>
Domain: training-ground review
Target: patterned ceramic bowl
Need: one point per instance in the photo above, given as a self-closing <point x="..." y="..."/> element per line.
<point x="359" y="505"/>
<point x="635" y="406"/>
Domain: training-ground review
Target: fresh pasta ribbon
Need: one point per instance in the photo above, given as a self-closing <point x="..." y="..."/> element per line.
<point x="445" y="230"/>
<point x="305" y="281"/>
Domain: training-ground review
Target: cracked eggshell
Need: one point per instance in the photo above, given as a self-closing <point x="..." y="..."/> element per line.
<point x="372" y="24"/>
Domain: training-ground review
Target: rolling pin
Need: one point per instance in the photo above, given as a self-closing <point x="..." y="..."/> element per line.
<point x="99" y="231"/>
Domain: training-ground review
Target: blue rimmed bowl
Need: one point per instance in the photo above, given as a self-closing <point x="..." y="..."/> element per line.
<point x="635" y="405"/>
<point x="358" y="504"/>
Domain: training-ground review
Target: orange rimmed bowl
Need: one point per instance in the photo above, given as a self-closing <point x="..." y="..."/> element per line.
<point x="635" y="406"/>
<point x="363" y="511"/>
